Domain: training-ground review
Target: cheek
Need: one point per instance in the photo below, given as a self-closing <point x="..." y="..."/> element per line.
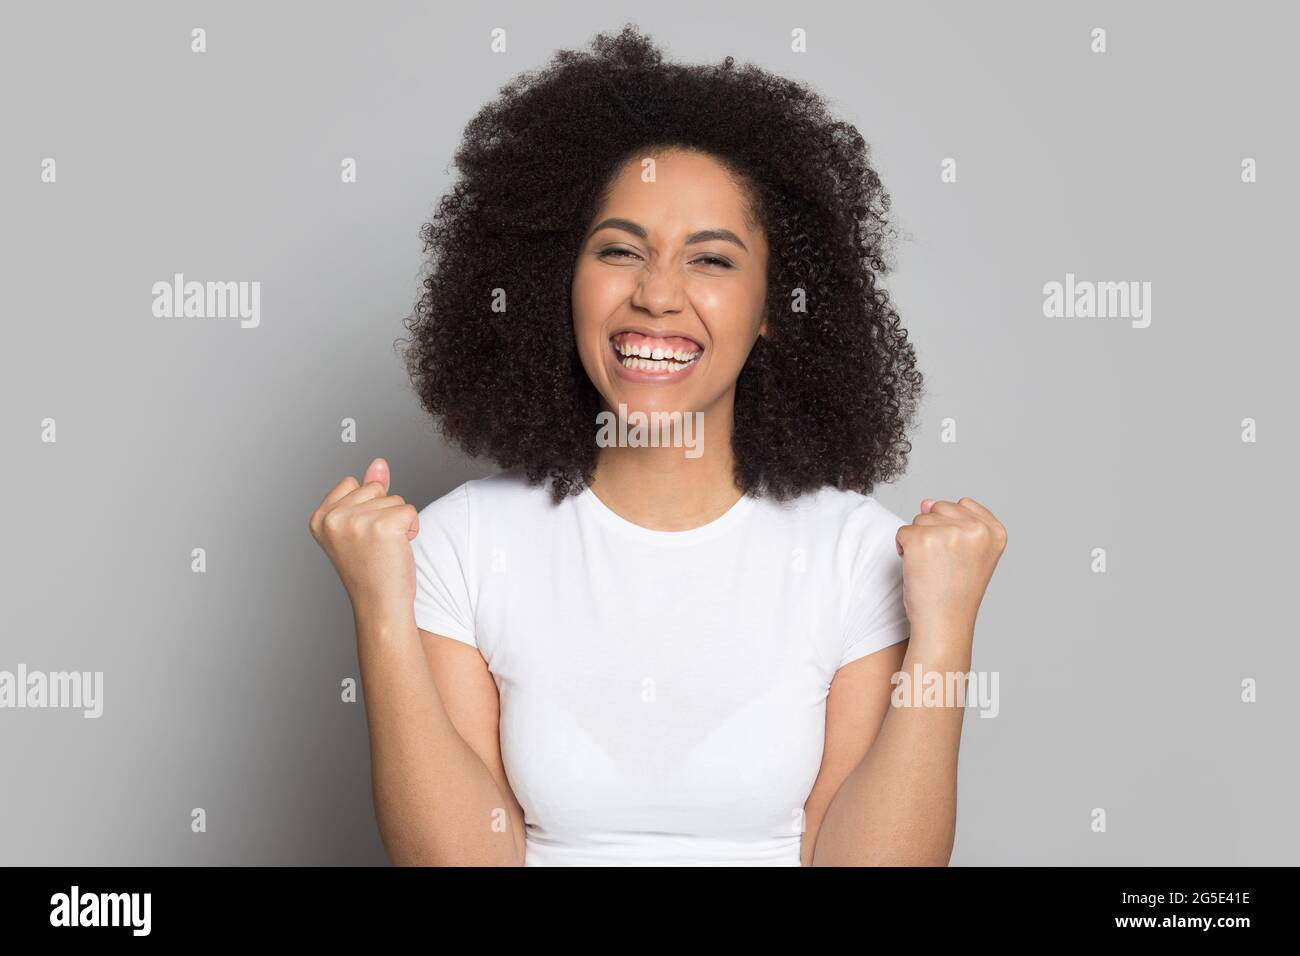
<point x="732" y="314"/>
<point x="731" y="302"/>
<point x="595" y="296"/>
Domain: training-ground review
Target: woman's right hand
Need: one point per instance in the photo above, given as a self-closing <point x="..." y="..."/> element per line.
<point x="367" y="535"/>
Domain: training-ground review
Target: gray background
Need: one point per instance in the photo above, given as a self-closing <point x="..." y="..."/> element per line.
<point x="1119" y="691"/>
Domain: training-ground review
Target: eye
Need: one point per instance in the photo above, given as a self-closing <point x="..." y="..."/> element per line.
<point x="715" y="261"/>
<point x="616" y="252"/>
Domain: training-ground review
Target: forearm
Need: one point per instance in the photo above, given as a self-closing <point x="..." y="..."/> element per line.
<point x="436" y="801"/>
<point x="898" y="806"/>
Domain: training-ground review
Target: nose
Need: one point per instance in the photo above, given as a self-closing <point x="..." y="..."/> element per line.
<point x="659" y="289"/>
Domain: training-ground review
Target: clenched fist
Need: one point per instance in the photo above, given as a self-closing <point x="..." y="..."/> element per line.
<point x="366" y="532"/>
<point x="949" y="553"/>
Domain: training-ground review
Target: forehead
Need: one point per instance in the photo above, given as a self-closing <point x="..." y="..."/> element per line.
<point x="689" y="190"/>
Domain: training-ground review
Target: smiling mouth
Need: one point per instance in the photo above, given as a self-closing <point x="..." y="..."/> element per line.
<point x="646" y="353"/>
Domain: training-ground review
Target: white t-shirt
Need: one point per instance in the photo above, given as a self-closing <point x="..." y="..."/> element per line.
<point x="663" y="693"/>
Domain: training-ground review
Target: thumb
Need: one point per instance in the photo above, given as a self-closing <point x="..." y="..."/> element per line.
<point x="378" y="471"/>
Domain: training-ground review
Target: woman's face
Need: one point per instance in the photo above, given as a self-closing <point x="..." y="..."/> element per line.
<point x="669" y="287"/>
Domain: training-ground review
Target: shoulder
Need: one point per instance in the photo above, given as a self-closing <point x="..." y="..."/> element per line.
<point x="506" y="494"/>
<point x="852" y="513"/>
<point x="447" y="514"/>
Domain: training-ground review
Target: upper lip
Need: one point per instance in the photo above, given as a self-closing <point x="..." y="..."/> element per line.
<point x="657" y="333"/>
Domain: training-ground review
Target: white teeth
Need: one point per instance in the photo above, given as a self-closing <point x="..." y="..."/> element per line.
<point x="651" y="365"/>
<point x="655" y="358"/>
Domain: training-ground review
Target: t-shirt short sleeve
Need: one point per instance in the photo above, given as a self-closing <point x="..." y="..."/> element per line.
<point x="876" y="616"/>
<point x="441" y="550"/>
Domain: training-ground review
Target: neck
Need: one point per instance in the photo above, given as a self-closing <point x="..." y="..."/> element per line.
<point x="664" y="490"/>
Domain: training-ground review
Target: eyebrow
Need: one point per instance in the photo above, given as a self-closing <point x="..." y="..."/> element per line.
<point x="704" y="235"/>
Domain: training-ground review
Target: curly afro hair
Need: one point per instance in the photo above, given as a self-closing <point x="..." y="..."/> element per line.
<point x="826" y="398"/>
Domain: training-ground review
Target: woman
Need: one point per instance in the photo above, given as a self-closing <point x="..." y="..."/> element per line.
<point x="672" y="649"/>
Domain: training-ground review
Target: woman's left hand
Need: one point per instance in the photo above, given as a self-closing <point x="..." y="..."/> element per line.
<point x="949" y="553"/>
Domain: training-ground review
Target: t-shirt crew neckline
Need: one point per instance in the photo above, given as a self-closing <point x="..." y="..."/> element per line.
<point x="718" y="526"/>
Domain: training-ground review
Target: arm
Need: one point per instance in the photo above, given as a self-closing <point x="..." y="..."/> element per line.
<point x="439" y="800"/>
<point x="441" y="795"/>
<point x="898" y="805"/>
<point x="893" y="769"/>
